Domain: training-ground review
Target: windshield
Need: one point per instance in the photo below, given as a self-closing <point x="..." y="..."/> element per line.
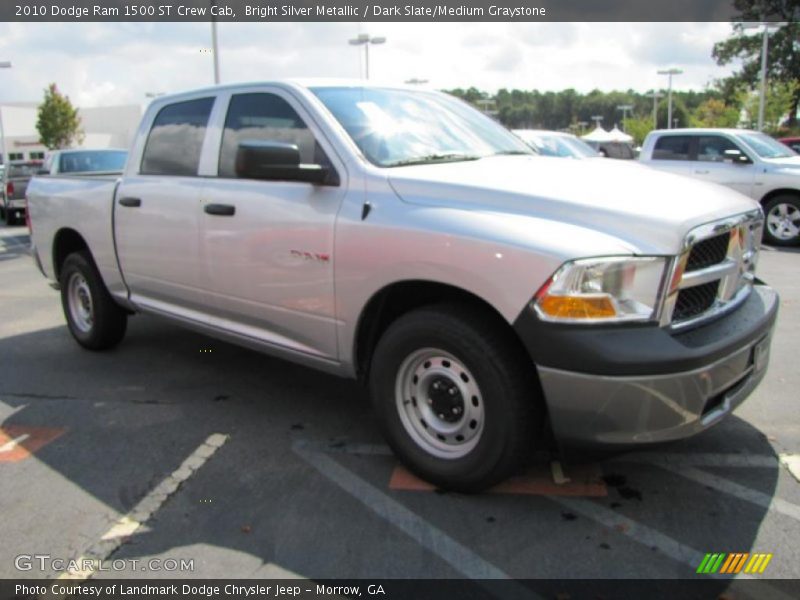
<point x="765" y="146"/>
<point x="26" y="170"/>
<point x="397" y="127"/>
<point x="558" y="145"/>
<point x="92" y="160"/>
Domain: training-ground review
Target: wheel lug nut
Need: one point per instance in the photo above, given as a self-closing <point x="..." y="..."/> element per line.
<point x="430" y="401"/>
<point x="453" y="391"/>
<point x="456" y="410"/>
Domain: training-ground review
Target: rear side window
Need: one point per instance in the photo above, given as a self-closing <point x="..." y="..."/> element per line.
<point x="672" y="147"/>
<point x="262" y="117"/>
<point x="711" y="148"/>
<point x="176" y="138"/>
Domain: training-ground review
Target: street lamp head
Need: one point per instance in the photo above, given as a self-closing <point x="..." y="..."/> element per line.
<point x="5" y="64"/>
<point x="377" y="40"/>
<point x="670" y="71"/>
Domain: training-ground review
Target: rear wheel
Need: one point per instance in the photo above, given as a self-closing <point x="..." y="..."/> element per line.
<point x="782" y="227"/>
<point x="457" y="398"/>
<point x="94" y="319"/>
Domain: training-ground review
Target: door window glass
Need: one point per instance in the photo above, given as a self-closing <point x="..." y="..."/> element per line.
<point x="711" y="148"/>
<point x="264" y="117"/>
<point x="672" y="147"/>
<point x="176" y="138"/>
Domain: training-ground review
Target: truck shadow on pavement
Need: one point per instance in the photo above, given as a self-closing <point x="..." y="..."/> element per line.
<point x="301" y="485"/>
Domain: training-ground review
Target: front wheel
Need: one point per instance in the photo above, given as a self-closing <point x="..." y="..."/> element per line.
<point x="782" y="227"/>
<point x="456" y="396"/>
<point x="94" y="319"/>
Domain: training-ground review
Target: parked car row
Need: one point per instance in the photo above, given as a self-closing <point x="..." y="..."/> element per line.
<point x="749" y="162"/>
<point x="15" y="178"/>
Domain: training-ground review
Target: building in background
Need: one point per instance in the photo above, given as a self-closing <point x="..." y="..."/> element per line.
<point x="103" y="127"/>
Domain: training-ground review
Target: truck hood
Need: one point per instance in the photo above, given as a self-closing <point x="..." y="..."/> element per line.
<point x="789" y="163"/>
<point x="649" y="210"/>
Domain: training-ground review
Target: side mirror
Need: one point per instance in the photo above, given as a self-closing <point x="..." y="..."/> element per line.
<point x="277" y="161"/>
<point x="737" y="156"/>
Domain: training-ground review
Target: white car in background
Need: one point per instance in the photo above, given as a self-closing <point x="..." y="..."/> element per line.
<point x="747" y="161"/>
<point x="556" y="143"/>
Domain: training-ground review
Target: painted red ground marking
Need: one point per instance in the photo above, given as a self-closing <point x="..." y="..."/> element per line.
<point x="584" y="481"/>
<point x="31" y="439"/>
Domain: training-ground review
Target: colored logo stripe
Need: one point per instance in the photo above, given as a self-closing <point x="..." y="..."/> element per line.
<point x="733" y="563"/>
<point x="758" y="563"/>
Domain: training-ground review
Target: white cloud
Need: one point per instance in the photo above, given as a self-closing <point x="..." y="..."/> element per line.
<point x="115" y="63"/>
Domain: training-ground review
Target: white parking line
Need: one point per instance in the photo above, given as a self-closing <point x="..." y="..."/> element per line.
<point x="739" y="491"/>
<point x="458" y="556"/>
<point x="128" y="524"/>
<point x="792" y="463"/>
<point x="11" y="445"/>
<point x="701" y="459"/>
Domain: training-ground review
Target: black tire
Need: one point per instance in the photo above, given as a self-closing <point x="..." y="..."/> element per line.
<point x="790" y="206"/>
<point x="94" y="319"/>
<point x="485" y="347"/>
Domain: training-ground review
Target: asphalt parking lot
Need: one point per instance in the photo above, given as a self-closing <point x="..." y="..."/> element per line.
<point x="175" y="446"/>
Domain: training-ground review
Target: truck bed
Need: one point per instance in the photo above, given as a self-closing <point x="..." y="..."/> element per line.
<point x="62" y="205"/>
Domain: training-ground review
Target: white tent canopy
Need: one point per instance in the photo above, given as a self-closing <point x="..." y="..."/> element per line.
<point x="599" y="135"/>
<point x="619" y="136"/>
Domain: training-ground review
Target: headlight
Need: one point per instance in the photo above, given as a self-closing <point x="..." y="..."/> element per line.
<point x="601" y="290"/>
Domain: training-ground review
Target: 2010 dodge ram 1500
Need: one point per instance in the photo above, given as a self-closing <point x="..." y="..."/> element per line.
<point x="402" y="237"/>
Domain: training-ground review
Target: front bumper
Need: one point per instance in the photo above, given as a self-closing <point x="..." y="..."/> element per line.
<point x="622" y="386"/>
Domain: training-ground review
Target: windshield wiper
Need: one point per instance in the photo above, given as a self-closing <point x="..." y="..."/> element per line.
<point x="513" y="153"/>
<point x="433" y="158"/>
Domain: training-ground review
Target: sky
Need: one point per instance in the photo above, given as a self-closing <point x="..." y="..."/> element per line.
<point x="101" y="64"/>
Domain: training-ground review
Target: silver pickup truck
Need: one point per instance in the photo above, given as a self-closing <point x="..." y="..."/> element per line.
<point x="749" y="162"/>
<point x="486" y="296"/>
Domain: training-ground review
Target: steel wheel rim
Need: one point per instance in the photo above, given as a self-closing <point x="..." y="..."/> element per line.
<point x="783" y="221"/>
<point x="423" y="405"/>
<point x="79" y="299"/>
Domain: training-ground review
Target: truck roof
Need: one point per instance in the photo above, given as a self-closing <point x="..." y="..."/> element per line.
<point x="696" y="130"/>
<point x="309" y="82"/>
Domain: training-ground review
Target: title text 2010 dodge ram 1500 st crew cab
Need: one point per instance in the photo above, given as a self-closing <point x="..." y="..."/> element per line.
<point x="402" y="237"/>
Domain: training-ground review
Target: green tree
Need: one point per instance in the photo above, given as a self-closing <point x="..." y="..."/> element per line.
<point x="639" y="127"/>
<point x="714" y="113"/>
<point x="58" y="123"/>
<point x="778" y="103"/>
<point x="783" y="62"/>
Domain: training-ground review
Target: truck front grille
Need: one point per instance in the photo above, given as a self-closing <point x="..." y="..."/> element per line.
<point x="715" y="271"/>
<point x="708" y="252"/>
<point x="695" y="300"/>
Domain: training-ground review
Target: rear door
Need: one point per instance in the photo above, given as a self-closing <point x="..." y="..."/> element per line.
<point x="270" y="255"/>
<point x="672" y="153"/>
<point x="158" y="215"/>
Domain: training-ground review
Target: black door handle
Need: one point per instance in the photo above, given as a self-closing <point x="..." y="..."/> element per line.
<point x="220" y="210"/>
<point x="130" y="202"/>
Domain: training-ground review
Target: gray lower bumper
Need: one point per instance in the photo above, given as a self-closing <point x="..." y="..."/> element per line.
<point x="611" y="410"/>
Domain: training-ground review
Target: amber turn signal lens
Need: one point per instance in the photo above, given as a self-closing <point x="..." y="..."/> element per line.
<point x="578" y="307"/>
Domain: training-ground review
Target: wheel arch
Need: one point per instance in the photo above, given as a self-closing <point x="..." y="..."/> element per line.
<point x="400" y="297"/>
<point x="66" y="242"/>
<point x="779" y="192"/>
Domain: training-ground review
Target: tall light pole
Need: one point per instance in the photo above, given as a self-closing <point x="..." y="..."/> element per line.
<point x="624" y="108"/>
<point x="364" y="39"/>
<point x="655" y="96"/>
<point x="597" y="120"/>
<point x="6" y="64"/>
<point x="214" y="46"/>
<point x="670" y="72"/>
<point x="764" y="51"/>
